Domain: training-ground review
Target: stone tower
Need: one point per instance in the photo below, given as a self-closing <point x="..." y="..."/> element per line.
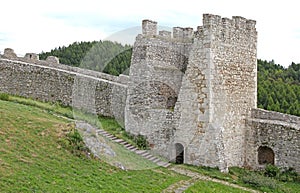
<point x="190" y="94"/>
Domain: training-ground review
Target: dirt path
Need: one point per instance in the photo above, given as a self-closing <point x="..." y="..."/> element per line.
<point x="181" y="186"/>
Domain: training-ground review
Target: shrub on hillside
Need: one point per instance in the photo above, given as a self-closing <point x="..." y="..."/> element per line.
<point x="271" y="171"/>
<point x="139" y="140"/>
<point x="257" y="180"/>
<point x="4" y="96"/>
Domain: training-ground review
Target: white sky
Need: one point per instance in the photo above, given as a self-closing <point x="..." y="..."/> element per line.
<point x="40" y="25"/>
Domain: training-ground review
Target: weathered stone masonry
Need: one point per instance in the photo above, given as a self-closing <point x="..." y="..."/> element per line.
<point x="212" y="75"/>
<point x="192" y="94"/>
<point x="276" y="131"/>
<point x="74" y="87"/>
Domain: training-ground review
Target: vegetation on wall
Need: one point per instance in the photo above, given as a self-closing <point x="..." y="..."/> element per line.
<point x="278" y="87"/>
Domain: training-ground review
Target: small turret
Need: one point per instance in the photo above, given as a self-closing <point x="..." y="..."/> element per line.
<point x="31" y="56"/>
<point x="149" y="27"/>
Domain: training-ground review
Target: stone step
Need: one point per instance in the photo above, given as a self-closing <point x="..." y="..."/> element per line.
<point x="118" y="140"/>
<point x="152" y="158"/>
<point x="145" y="154"/>
<point x="131" y="148"/>
<point x="128" y="145"/>
<point x="141" y="152"/>
<point x="163" y="164"/>
<point x="167" y="164"/>
<point x="124" y="143"/>
<point x="156" y="160"/>
<point x="101" y="132"/>
<point x="148" y="156"/>
<point x="106" y="134"/>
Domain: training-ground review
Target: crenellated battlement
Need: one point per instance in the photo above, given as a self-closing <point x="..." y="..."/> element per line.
<point x="237" y="22"/>
<point x="218" y="25"/>
<point x="149" y="28"/>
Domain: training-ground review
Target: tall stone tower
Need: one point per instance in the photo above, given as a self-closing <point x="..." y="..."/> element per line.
<point x="157" y="67"/>
<point x="190" y="94"/>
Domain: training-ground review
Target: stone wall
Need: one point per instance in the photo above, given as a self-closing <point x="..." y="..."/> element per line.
<point x="277" y="131"/>
<point x="74" y="87"/>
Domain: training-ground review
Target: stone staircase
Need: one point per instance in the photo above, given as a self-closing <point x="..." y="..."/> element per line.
<point x="144" y="153"/>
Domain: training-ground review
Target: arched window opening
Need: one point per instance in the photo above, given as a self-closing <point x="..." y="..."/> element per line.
<point x="265" y="155"/>
<point x="179" y="153"/>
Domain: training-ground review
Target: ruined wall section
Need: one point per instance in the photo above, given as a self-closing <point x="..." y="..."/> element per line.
<point x="278" y="131"/>
<point x="158" y="64"/>
<point x="52" y="61"/>
<point x="46" y="83"/>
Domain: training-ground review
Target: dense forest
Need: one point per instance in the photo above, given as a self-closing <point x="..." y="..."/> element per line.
<point x="278" y="87"/>
<point x="104" y="56"/>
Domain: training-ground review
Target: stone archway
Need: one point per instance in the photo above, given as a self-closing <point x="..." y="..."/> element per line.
<point x="179" y="159"/>
<point x="265" y="155"/>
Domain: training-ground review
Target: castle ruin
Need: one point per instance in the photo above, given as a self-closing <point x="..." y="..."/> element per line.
<point x="192" y="94"/>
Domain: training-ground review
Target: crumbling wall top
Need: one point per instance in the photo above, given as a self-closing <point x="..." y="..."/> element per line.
<point x="9" y="53"/>
<point x="31" y="56"/>
<point x="52" y="59"/>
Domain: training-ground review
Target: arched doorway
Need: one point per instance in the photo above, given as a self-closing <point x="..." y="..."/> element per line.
<point x="179" y="153"/>
<point x="265" y="155"/>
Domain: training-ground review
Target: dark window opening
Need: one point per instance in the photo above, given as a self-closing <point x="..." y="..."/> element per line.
<point x="179" y="153"/>
<point x="265" y="155"/>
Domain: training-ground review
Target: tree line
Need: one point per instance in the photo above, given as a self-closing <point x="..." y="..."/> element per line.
<point x="278" y="87"/>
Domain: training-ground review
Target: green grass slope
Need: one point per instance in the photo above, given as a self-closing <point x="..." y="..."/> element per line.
<point x="33" y="160"/>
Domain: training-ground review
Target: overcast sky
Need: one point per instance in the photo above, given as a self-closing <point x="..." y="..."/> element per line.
<point x="35" y="26"/>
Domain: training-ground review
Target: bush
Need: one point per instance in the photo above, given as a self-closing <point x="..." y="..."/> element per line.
<point x="289" y="175"/>
<point x="283" y="174"/>
<point x="257" y="180"/>
<point x="272" y="171"/>
<point x="4" y="96"/>
<point x="139" y="140"/>
<point x="74" y="143"/>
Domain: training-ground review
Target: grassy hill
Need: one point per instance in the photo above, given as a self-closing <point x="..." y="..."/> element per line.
<point x="32" y="159"/>
<point x="35" y="157"/>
